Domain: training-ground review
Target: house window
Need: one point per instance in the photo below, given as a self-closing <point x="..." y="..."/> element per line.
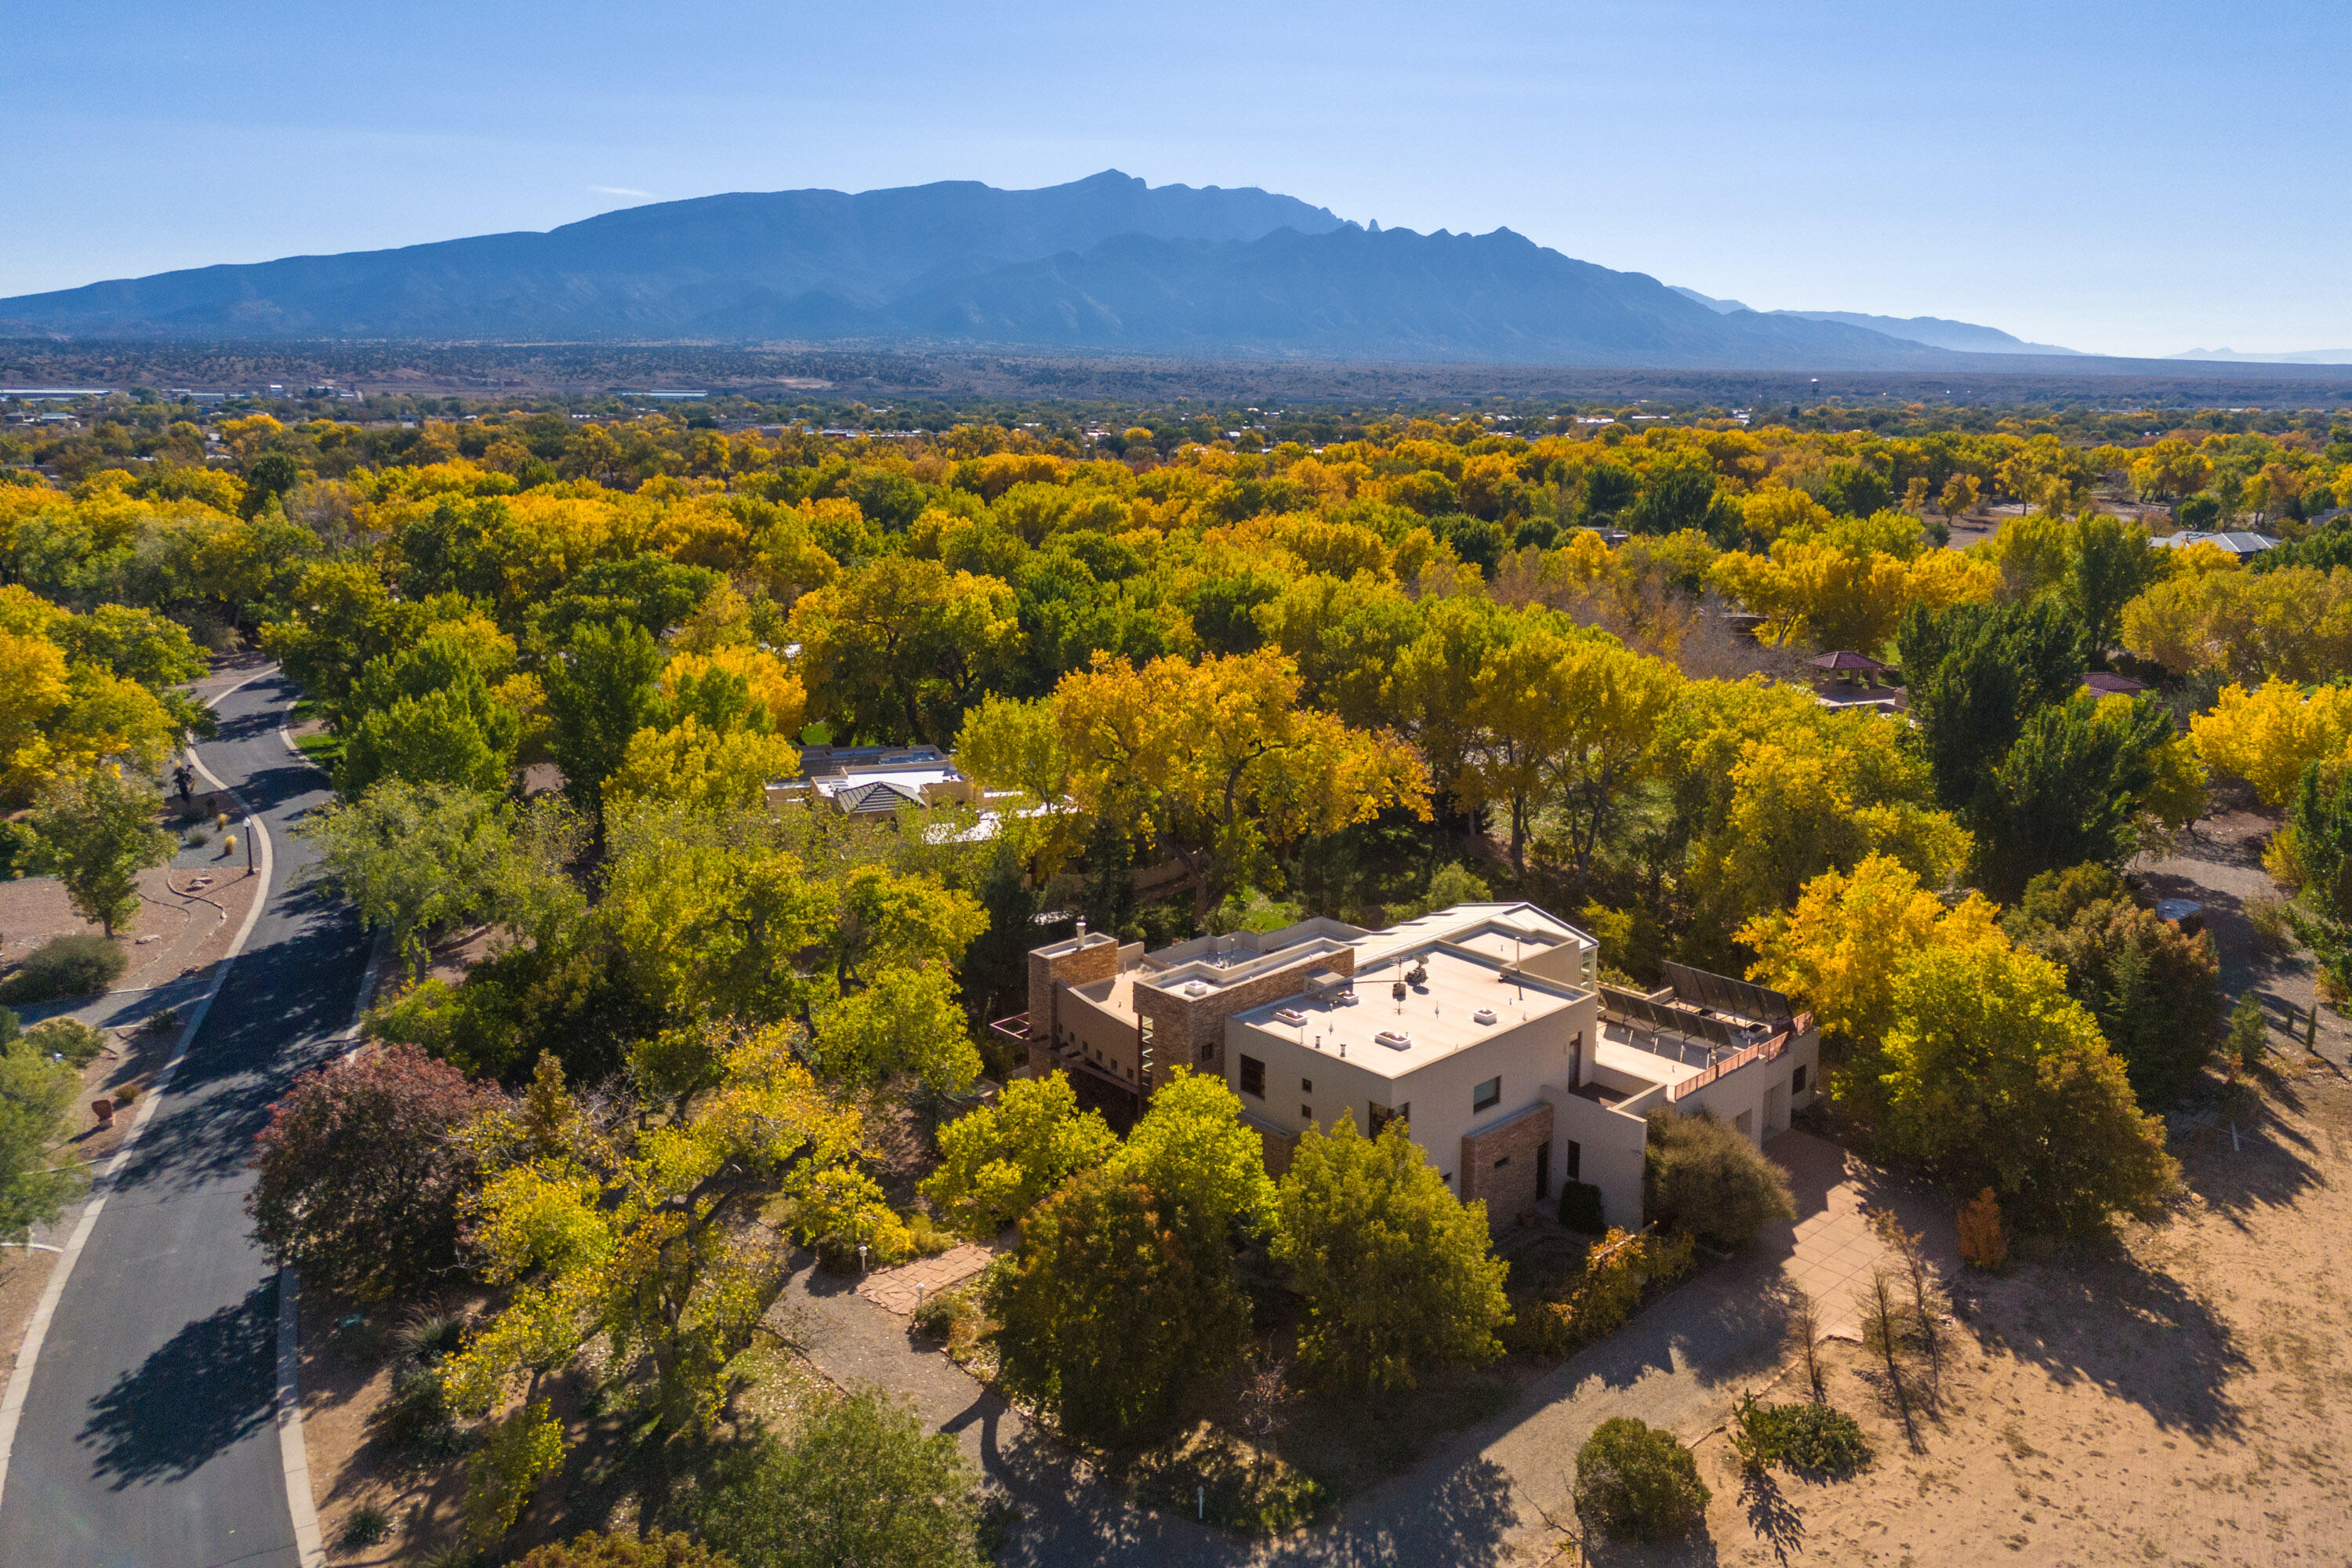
<point x="1543" y="1170"/>
<point x="1503" y="1162"/>
<point x="1307" y="1085"/>
<point x="1575" y="1160"/>
<point x="1487" y="1094"/>
<point x="1384" y="1115"/>
<point x="1307" y="1113"/>
<point x="1797" y="1080"/>
<point x="1254" y="1077"/>
<point x="1208" y="1049"/>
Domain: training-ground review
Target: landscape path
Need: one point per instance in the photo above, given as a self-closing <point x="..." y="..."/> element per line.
<point x="1679" y="1364"/>
<point x="147" y="1438"/>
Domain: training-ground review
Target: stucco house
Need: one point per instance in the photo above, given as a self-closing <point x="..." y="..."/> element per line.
<point x="1485" y="1027"/>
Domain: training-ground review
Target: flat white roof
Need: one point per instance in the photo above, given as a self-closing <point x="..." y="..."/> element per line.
<point x="1438" y="1016"/>
<point x="1638" y="1061"/>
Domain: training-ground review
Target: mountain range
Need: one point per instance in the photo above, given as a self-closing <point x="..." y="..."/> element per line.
<point x="1960" y="337"/>
<point x="1105" y="263"/>
<point x="2305" y="356"/>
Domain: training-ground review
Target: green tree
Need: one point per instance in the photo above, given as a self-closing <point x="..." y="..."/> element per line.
<point x="2319" y="824"/>
<point x="600" y="692"/>
<point x="1116" y="1302"/>
<point x="1190" y="1149"/>
<point x="998" y="1162"/>
<point x="340" y="618"/>
<point x="37" y="1097"/>
<point x="2109" y="563"/>
<point x="95" y="833"/>
<point x="1396" y="1271"/>
<point x="420" y="860"/>
<point x="2069" y="791"/>
<point x="908" y="1021"/>
<point x="1703" y="1175"/>
<point x="451" y="731"/>
<point x="860" y="1483"/>
<point x="1977" y="672"/>
<point x="1852" y="489"/>
<point x="2155" y="991"/>
<point x="1994" y="1076"/>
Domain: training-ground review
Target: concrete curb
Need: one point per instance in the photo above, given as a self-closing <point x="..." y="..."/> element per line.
<point x="20" y="1380"/>
<point x="308" y="1543"/>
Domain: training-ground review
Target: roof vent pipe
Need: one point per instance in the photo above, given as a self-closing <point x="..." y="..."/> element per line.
<point x="1082" y="929"/>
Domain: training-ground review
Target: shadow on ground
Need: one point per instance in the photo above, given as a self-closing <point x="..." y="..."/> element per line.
<point x="210" y="1386"/>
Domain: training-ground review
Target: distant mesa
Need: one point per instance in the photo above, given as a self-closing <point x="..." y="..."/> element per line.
<point x="2302" y="356"/>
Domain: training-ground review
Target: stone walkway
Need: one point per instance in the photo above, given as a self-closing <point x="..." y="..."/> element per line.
<point x="1831" y="1250"/>
<point x="902" y="1289"/>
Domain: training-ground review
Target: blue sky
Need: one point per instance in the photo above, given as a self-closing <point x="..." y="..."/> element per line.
<point x="2129" y="179"/>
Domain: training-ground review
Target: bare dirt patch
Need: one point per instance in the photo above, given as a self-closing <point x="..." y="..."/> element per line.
<point x="2177" y="1396"/>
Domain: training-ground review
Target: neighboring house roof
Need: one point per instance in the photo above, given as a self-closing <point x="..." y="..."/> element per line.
<point x="2237" y="542"/>
<point x="2108" y="685"/>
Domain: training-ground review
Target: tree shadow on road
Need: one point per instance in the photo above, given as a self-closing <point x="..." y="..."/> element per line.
<point x="213" y="1384"/>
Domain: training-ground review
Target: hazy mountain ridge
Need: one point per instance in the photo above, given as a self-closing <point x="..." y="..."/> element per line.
<point x="2302" y="356"/>
<point x="1103" y="263"/>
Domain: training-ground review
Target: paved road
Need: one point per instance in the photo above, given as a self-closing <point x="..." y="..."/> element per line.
<point x="147" y="1439"/>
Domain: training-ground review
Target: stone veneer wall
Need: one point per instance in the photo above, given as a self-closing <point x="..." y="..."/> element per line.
<point x="1191" y="1031"/>
<point x="1512" y="1187"/>
<point x="1097" y="960"/>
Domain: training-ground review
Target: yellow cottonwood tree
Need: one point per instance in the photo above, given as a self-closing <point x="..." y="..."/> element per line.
<point x="1838" y="950"/>
<point x="633" y="1231"/>
<point x="705" y="770"/>
<point x="1565" y="720"/>
<point x="1220" y="765"/>
<point x="2269" y="735"/>
<point x="1817" y="593"/>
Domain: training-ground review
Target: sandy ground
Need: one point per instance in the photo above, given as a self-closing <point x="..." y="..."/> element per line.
<point x="2175" y="1397"/>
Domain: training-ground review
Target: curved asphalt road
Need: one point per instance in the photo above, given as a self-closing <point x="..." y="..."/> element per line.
<point x="148" y="1437"/>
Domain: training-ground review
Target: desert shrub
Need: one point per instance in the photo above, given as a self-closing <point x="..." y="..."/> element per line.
<point x="1705" y="1177"/>
<point x="416" y="1420"/>
<point x="68" y="1037"/>
<point x="429" y="1334"/>
<point x="65" y="966"/>
<point x="2268" y="915"/>
<point x="128" y="1094"/>
<point x="1983" y="1244"/>
<point x="1637" y="1483"/>
<point x="1595" y="1302"/>
<point x="941" y="1313"/>
<point x="599" y="1549"/>
<point x="1814" y="1439"/>
<point x="364" y="1526"/>
<point x="861" y="1482"/>
<point x="1580" y="1208"/>
<point x="925" y="1237"/>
